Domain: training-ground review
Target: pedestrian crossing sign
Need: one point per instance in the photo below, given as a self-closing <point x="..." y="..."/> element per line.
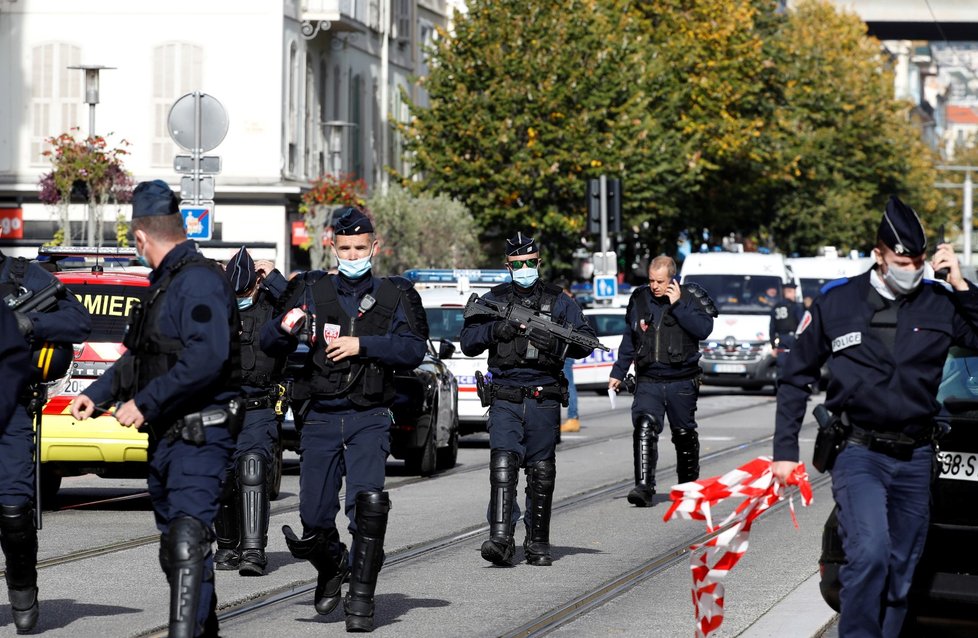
<point x="605" y="287"/>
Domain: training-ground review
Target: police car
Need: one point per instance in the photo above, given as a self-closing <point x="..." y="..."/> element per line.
<point x="106" y="283"/>
<point x="444" y="294"/>
<point x="944" y="593"/>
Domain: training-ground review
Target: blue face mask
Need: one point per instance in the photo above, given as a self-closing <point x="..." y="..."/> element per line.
<point x="354" y="268"/>
<point x="526" y="277"/>
<point x="142" y="259"/>
<point x="245" y="302"/>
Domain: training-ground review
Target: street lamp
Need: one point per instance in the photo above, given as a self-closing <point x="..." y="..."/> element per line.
<point x="91" y="91"/>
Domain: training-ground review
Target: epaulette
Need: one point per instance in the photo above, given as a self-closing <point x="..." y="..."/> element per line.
<point x="835" y="283"/>
<point x="402" y="283"/>
<point x="939" y="282"/>
<point x="699" y="292"/>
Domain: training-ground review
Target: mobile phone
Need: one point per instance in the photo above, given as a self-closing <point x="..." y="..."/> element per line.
<point x="943" y="272"/>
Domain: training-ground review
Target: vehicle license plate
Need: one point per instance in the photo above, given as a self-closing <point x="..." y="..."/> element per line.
<point x="961" y="466"/>
<point x="730" y="368"/>
<point x="75" y="387"/>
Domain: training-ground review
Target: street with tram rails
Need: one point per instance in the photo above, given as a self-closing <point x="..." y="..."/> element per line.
<point x="618" y="570"/>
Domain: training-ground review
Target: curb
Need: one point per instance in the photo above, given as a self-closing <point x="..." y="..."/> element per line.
<point x="800" y="613"/>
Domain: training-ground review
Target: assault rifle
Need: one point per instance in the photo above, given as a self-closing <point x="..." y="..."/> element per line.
<point x="41" y="301"/>
<point x="533" y="321"/>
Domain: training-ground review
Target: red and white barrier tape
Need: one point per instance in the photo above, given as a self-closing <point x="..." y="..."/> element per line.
<point x="755" y="483"/>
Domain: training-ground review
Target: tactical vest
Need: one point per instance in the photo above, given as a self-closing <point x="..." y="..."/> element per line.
<point x="520" y="353"/>
<point x="12" y="275"/>
<point x="257" y="368"/>
<point x="665" y="343"/>
<point x="153" y="353"/>
<point x="785" y="320"/>
<point x="364" y="382"/>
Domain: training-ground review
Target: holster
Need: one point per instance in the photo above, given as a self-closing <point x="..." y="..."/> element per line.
<point x="190" y="428"/>
<point x="483" y="389"/>
<point x="830" y="439"/>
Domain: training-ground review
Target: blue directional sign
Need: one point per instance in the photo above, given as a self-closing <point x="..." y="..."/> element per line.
<point x="605" y="287"/>
<point x="198" y="219"/>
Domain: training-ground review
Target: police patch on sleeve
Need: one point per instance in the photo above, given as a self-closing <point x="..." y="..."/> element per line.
<point x="846" y="341"/>
<point x="804" y="323"/>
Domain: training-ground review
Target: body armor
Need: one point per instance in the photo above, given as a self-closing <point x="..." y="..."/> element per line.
<point x="663" y="342"/>
<point x="364" y="382"/>
<point x="520" y="353"/>
<point x="257" y="368"/>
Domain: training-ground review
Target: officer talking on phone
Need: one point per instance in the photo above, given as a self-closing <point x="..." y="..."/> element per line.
<point x="885" y="335"/>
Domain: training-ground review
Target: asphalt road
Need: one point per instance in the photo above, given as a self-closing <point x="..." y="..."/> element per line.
<point x="444" y="588"/>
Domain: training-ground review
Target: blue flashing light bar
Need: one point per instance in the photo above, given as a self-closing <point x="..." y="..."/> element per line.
<point x="451" y="276"/>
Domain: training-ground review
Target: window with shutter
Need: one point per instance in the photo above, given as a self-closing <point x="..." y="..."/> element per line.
<point x="177" y="70"/>
<point x="56" y="94"/>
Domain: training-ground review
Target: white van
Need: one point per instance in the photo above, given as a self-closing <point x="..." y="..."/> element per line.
<point x="815" y="272"/>
<point x="744" y="287"/>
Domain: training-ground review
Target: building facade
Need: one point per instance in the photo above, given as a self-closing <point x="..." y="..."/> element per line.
<point x="309" y="87"/>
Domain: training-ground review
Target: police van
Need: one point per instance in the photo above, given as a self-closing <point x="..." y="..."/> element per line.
<point x="744" y="287"/>
<point x="444" y="294"/>
<point x="815" y="272"/>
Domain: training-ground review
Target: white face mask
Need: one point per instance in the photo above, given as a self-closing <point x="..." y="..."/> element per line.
<point x="901" y="281"/>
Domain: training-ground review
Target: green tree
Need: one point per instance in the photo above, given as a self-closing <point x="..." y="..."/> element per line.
<point x="528" y="101"/>
<point x="423" y="232"/>
<point x="843" y="144"/>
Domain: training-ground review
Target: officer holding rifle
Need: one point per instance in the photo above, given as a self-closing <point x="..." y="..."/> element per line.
<point x="529" y="327"/>
<point x="46" y="319"/>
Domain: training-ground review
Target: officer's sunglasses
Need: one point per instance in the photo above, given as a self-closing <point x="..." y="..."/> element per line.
<point x="516" y="264"/>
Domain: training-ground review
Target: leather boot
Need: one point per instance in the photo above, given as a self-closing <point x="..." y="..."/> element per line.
<point x="645" y="456"/>
<point x="227" y="556"/>
<point x="254" y="514"/>
<point x="328" y="555"/>
<point x="18" y="538"/>
<point x="540" y="479"/>
<point x="188" y="544"/>
<point x="687" y="444"/>
<point x="368" y="556"/>
<point x="503" y="472"/>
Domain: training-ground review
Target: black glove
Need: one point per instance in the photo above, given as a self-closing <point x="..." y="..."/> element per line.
<point x="24" y="325"/>
<point x="542" y="340"/>
<point x="504" y="331"/>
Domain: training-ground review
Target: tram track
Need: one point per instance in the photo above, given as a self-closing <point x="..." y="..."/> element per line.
<point x="152" y="539"/>
<point x="288" y="593"/>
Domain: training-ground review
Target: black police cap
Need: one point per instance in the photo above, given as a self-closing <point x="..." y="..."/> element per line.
<point x="900" y="229"/>
<point x="521" y="245"/>
<point x="352" y="221"/>
<point x="150" y="199"/>
<point x="240" y="272"/>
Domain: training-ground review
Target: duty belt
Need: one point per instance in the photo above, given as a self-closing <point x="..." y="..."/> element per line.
<point x="516" y="394"/>
<point x="260" y="402"/>
<point x="893" y="444"/>
<point x="190" y="428"/>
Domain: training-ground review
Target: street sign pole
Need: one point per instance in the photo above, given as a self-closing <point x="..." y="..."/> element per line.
<point x="603" y="204"/>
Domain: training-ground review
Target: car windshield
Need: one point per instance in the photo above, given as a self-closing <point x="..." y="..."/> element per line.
<point x="444" y="323"/>
<point x="960" y="381"/>
<point x="110" y="307"/>
<point x="740" y="294"/>
<point x="607" y="325"/>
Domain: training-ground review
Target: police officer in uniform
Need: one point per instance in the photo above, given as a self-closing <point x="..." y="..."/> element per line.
<point x="68" y="322"/>
<point x="359" y="328"/>
<point x="785" y="317"/>
<point x="527" y="389"/>
<point x="885" y="335"/>
<point x="180" y="381"/>
<point x="242" y="522"/>
<point x="664" y="325"/>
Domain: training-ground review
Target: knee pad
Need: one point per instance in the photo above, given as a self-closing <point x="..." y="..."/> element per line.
<point x="188" y="541"/>
<point x="16" y="519"/>
<point x="251" y="469"/>
<point x="503" y="466"/>
<point x="645" y="421"/>
<point x="371" y="514"/>
<point x="542" y="475"/>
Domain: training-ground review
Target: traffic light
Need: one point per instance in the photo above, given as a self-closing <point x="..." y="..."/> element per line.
<point x="594" y="207"/>
<point x="613" y="194"/>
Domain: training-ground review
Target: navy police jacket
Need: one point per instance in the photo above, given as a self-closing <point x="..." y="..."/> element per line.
<point x="690" y="316"/>
<point x="196" y="311"/>
<point x="401" y="348"/>
<point x="477" y="337"/>
<point x="15" y="359"/>
<point x="878" y="389"/>
<point x="68" y="323"/>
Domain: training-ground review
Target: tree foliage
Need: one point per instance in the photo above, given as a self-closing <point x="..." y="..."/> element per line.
<point x="713" y="113"/>
<point x="423" y="232"/>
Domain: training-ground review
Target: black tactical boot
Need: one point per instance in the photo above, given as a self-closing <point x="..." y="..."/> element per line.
<point x="368" y="556"/>
<point x="321" y="548"/>
<point x="254" y="514"/>
<point x="18" y="538"/>
<point x="187" y="546"/>
<point x="687" y="444"/>
<point x="227" y="556"/>
<point x="645" y="455"/>
<point x="503" y="472"/>
<point x="540" y="479"/>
